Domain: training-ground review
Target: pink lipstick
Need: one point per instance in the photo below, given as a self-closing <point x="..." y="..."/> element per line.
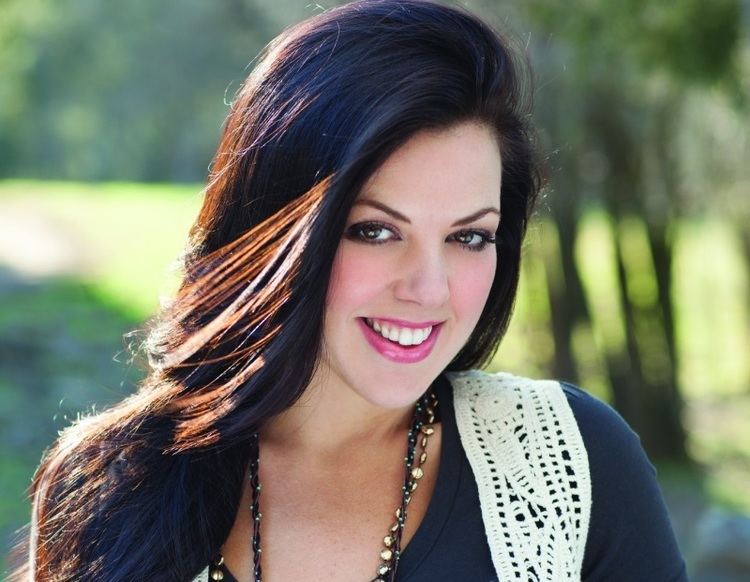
<point x="396" y="352"/>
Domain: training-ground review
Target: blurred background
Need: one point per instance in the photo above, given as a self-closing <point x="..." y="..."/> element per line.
<point x="636" y="280"/>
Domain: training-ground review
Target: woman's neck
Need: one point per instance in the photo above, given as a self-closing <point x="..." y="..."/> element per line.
<point x="331" y="420"/>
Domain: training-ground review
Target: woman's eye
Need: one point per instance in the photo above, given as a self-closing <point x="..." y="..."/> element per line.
<point x="372" y="232"/>
<point x="474" y="240"/>
<point x="378" y="233"/>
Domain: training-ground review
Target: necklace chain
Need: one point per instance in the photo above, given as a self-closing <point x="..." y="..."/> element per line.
<point x="419" y="432"/>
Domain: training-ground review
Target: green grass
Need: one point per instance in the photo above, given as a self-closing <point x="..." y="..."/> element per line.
<point x="131" y="232"/>
<point x="62" y="352"/>
<point x="712" y="305"/>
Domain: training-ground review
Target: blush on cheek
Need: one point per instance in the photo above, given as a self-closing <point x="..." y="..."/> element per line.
<point x="354" y="279"/>
<point x="471" y="287"/>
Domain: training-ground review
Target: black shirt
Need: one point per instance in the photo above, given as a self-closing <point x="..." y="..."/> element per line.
<point x="630" y="536"/>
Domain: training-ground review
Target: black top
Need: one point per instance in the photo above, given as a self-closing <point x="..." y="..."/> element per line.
<point x="630" y="536"/>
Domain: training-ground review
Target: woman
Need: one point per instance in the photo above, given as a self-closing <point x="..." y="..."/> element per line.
<point x="355" y="261"/>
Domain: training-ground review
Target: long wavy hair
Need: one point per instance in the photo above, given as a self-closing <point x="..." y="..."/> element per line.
<point x="149" y="488"/>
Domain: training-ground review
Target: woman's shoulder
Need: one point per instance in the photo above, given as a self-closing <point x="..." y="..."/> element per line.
<point x="536" y="427"/>
<point x="606" y="434"/>
<point x="631" y="535"/>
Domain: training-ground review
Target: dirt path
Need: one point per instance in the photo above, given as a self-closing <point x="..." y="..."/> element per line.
<point x="34" y="246"/>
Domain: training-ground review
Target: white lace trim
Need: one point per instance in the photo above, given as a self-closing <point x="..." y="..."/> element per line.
<point x="532" y="472"/>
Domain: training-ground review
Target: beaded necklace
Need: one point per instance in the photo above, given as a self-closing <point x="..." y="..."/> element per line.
<point x="421" y="424"/>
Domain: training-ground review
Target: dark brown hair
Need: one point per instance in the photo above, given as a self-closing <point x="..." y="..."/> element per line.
<point x="148" y="489"/>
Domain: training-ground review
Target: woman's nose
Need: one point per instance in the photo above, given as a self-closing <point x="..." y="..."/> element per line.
<point x="423" y="278"/>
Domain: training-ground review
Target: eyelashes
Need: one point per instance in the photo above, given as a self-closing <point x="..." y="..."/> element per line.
<point x="371" y="233"/>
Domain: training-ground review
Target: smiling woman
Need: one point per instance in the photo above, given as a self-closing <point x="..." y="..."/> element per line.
<point x="406" y="264"/>
<point x="353" y="266"/>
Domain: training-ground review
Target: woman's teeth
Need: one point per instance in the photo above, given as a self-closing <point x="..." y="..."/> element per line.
<point x="402" y="335"/>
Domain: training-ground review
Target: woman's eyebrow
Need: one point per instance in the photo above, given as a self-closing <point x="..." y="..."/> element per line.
<point x="398" y="216"/>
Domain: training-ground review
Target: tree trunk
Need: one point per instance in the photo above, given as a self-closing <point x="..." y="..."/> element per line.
<point x="664" y="416"/>
<point x="568" y="307"/>
<point x="625" y="391"/>
<point x="649" y="398"/>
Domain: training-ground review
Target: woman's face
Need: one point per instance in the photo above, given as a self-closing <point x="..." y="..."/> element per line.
<point x="417" y="259"/>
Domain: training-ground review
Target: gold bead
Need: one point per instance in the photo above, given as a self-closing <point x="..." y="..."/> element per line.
<point x="422" y="457"/>
<point x="424" y="441"/>
<point x="413" y="485"/>
<point x="388" y="541"/>
<point x="398" y="512"/>
<point x="386" y="554"/>
<point x="417" y="472"/>
<point x="383" y="569"/>
<point x="430" y="418"/>
<point x="427" y="429"/>
<point x="220" y="561"/>
<point x="430" y="410"/>
<point x="217" y="575"/>
<point x="394" y="527"/>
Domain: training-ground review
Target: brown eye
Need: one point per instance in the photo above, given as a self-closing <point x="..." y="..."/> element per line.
<point x="474" y="240"/>
<point x="370" y="232"/>
<point x="468" y="238"/>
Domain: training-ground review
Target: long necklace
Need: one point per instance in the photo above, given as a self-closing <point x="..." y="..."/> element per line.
<point x="420" y="431"/>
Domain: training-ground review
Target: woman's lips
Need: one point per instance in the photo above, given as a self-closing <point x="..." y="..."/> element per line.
<point x="409" y="324"/>
<point x="396" y="352"/>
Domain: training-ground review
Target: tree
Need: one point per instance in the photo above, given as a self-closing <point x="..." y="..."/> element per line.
<point x="618" y="97"/>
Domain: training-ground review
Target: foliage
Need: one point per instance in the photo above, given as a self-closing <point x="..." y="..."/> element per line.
<point x="617" y="82"/>
<point x="119" y="89"/>
<point x="694" y="40"/>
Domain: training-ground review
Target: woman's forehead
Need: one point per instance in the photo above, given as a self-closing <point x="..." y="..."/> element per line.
<point x="442" y="211"/>
<point x="457" y="169"/>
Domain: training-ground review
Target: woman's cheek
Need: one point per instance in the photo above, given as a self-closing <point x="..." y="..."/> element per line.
<point x="472" y="283"/>
<point x="356" y="276"/>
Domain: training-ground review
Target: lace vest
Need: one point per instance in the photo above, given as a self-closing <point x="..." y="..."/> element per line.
<point x="532" y="472"/>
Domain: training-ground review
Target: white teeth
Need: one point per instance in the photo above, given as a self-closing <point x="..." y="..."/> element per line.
<point x="403" y="335"/>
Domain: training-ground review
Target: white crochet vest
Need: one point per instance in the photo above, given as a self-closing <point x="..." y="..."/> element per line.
<point x="532" y="472"/>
